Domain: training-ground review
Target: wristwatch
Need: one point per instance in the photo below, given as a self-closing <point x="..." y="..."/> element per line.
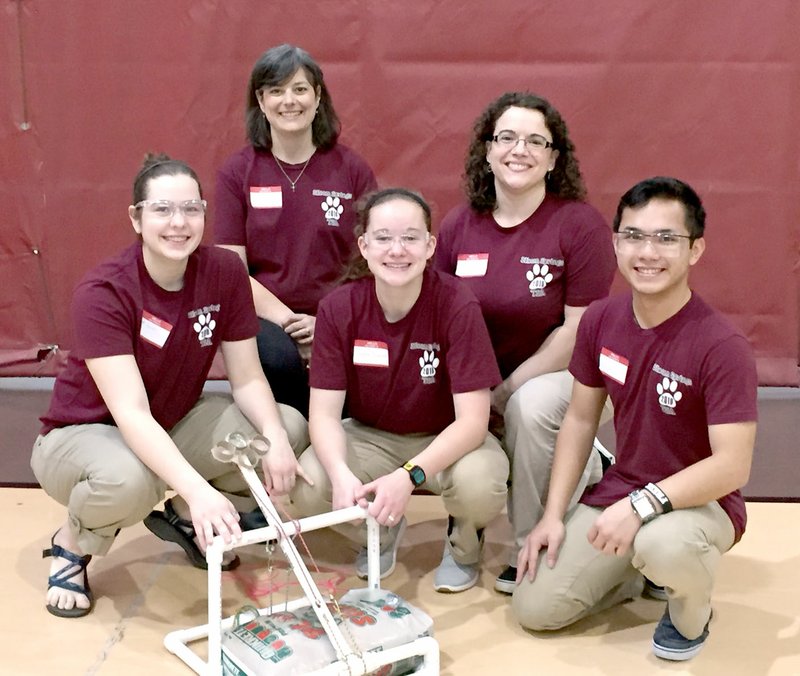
<point x="661" y="496"/>
<point x="415" y="473"/>
<point x="642" y="506"/>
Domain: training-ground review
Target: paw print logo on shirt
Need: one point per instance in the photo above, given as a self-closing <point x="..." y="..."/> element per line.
<point x="539" y="277"/>
<point x="333" y="208"/>
<point x="204" y="327"/>
<point x="428" y="362"/>
<point x="668" y="395"/>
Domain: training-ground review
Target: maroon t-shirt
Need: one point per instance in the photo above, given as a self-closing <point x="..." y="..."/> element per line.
<point x="297" y="240"/>
<point x="524" y="276"/>
<point x="400" y="377"/>
<point x="118" y="309"/>
<point x="667" y="384"/>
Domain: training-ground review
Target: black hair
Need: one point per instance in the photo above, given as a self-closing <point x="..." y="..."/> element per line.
<point x="666" y="188"/>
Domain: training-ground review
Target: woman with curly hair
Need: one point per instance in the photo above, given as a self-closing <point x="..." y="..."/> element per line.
<point x="536" y="254"/>
<point x="286" y="204"/>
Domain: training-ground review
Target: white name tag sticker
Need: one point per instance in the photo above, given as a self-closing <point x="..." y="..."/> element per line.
<point x="370" y="353"/>
<point x="472" y="265"/>
<point x="613" y="365"/>
<point x="266" y="197"/>
<point x="154" y="330"/>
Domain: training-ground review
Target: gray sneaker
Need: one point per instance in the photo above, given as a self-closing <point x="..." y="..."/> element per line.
<point x="388" y="558"/>
<point x="452" y="576"/>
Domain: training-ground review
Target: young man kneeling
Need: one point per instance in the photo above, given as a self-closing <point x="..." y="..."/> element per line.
<point x="683" y="383"/>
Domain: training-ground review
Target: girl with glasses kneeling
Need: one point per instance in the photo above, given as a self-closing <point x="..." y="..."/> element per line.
<point x="128" y="418"/>
<point x="408" y="349"/>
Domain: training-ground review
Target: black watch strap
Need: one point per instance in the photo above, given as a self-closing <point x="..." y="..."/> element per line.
<point x="415" y="473"/>
<point x="661" y="496"/>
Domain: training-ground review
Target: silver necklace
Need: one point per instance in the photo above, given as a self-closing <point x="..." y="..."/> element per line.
<point x="283" y="171"/>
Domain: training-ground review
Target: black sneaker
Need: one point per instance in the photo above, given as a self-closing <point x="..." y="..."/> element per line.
<point x="654" y="591"/>
<point x="252" y="520"/>
<point x="670" y="644"/>
<point x="506" y="581"/>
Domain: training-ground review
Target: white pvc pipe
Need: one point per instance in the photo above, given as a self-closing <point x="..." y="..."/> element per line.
<point x="348" y="662"/>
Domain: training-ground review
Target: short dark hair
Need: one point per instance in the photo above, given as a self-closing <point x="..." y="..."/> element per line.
<point x="565" y="180"/>
<point x="274" y="67"/>
<point x="357" y="266"/>
<point x="160" y="164"/>
<point x="666" y="188"/>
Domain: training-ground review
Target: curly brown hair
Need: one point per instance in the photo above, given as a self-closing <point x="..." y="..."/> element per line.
<point x="565" y="180"/>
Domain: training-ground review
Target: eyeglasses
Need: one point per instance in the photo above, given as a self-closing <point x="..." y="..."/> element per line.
<point x="509" y="139"/>
<point x="165" y="209"/>
<point x="410" y="240"/>
<point x="660" y="240"/>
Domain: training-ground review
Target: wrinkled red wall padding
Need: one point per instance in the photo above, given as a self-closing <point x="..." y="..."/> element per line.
<point x="704" y="91"/>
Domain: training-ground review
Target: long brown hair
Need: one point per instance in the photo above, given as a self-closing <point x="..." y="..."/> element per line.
<point x="274" y="67"/>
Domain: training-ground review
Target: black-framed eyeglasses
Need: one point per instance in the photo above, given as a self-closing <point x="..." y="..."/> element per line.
<point x="509" y="139"/>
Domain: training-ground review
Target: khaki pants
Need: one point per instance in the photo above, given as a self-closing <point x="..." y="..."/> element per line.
<point x="533" y="418"/>
<point x="105" y="487"/>
<point x="679" y="550"/>
<point x="473" y="488"/>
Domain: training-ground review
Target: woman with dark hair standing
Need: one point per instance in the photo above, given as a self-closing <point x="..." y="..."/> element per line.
<point x="128" y="418"/>
<point x="285" y="204"/>
<point x="536" y="255"/>
<point x="408" y="348"/>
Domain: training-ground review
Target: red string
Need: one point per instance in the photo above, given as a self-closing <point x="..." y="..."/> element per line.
<point x="258" y="588"/>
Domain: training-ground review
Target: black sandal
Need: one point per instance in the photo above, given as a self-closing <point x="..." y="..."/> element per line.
<point x="167" y="525"/>
<point x="61" y="579"/>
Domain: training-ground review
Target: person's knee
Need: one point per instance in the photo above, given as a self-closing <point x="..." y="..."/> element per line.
<point x="126" y="495"/>
<point x="539" y="402"/>
<point x="660" y="554"/>
<point x="540" y="609"/>
<point x="519" y="413"/>
<point x="477" y="489"/>
<point x="311" y="499"/>
<point x="296" y="428"/>
<point x="306" y="499"/>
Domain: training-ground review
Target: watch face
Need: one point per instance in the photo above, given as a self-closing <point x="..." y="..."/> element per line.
<point x="417" y="475"/>
<point x="643" y="506"/>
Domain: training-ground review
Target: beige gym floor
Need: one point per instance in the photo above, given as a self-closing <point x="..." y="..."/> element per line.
<point x="145" y="589"/>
